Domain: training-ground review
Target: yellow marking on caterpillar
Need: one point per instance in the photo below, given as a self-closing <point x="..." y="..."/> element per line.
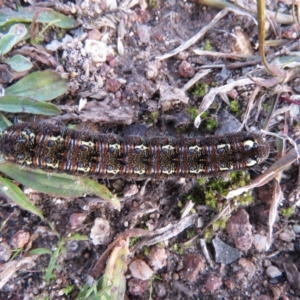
<point x="141" y="147"/>
<point x="89" y="143"/>
<point x="168" y="172"/>
<point x="82" y="169"/>
<point x="139" y="172"/>
<point x="167" y="147"/>
<point x="196" y="171"/>
<point x="249" y="143"/>
<point x="52" y="165"/>
<point x="56" y="138"/>
<point x="196" y="148"/>
<point x="114" y="172"/>
<point x="221" y="146"/>
<point x="226" y="168"/>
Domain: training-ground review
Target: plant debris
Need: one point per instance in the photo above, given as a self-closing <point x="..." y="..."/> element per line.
<point x="152" y="68"/>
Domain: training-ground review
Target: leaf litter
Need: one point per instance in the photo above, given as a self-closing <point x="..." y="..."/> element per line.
<point x="124" y="60"/>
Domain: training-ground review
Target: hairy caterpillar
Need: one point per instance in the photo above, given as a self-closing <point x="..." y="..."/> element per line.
<point x="57" y="148"/>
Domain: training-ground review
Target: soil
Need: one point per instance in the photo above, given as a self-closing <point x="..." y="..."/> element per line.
<point x="116" y="60"/>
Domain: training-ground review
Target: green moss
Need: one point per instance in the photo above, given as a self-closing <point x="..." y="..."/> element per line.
<point x="152" y="3"/>
<point x="246" y="199"/>
<point x="208" y="234"/>
<point x="133" y="241"/>
<point x="68" y="289"/>
<point x="152" y="117"/>
<point x="233" y="175"/>
<point x="179" y="204"/>
<point x="216" y="190"/>
<point x="219" y="224"/>
<point x="201" y="181"/>
<point x="210" y="199"/>
<point x="146" y="251"/>
<point x="194" y="197"/>
<point x="178" y="249"/>
<point x="193" y="111"/>
<point x="190" y="234"/>
<point x="207" y="45"/>
<point x="211" y="124"/>
<point x="288" y="211"/>
<point x="193" y="211"/>
<point x="219" y="185"/>
<point x="200" y="89"/>
<point x="234" y="106"/>
<point x="204" y="115"/>
<point x="265" y="106"/>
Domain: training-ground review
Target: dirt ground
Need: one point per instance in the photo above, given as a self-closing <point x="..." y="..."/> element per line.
<point x="120" y="59"/>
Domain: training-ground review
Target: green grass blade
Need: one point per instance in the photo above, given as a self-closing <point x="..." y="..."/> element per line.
<point x="41" y="86"/>
<point x="40" y="251"/>
<point x="49" y="183"/>
<point x="4" y="122"/>
<point x="18" y="104"/>
<point x="11" y="191"/>
<point x="8" y="16"/>
<point x="63" y="185"/>
<point x="19" y="63"/>
<point x="100" y="190"/>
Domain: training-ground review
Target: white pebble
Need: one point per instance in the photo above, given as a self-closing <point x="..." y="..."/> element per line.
<point x="53" y="46"/>
<point x="100" y="232"/>
<point x="296" y="228"/>
<point x="260" y="242"/>
<point x="140" y="270"/>
<point x="273" y="272"/>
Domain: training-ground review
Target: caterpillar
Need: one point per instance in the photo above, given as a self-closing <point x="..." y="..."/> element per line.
<point x="56" y="148"/>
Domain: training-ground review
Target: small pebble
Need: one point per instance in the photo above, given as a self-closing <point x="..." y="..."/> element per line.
<point x="260" y="242"/>
<point x="160" y="289"/>
<point x="213" y="283"/>
<point x="296" y="228"/>
<point x="175" y="276"/>
<point x="140" y="270"/>
<point x="100" y="232"/>
<point x="240" y="230"/>
<point x="77" y="219"/>
<point x="97" y="50"/>
<point x="5" y="251"/>
<point x="20" y="239"/>
<point x="193" y="266"/>
<point x="225" y="254"/>
<point x="157" y="257"/>
<point x="112" y="85"/>
<point x="144" y="33"/>
<point x="287" y="235"/>
<point x="273" y="272"/>
<point x="137" y="287"/>
<point x="53" y="46"/>
<point x="186" y="70"/>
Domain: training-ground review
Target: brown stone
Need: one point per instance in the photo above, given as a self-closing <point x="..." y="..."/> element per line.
<point x="213" y="283"/>
<point x="192" y="265"/>
<point x="239" y="228"/>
